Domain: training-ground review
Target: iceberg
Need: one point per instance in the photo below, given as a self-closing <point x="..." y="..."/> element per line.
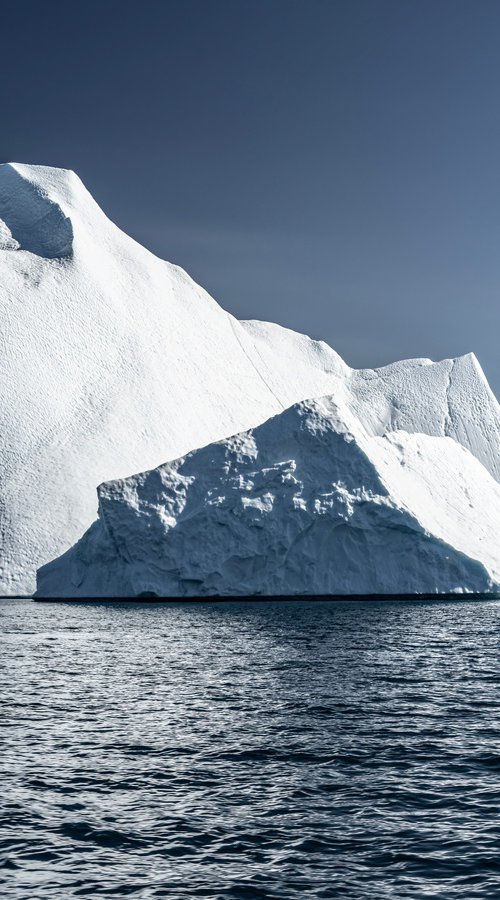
<point x="114" y="361"/>
<point x="308" y="503"/>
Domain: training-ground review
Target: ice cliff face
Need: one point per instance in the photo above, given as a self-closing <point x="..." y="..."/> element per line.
<point x="300" y="505"/>
<point x="113" y="360"/>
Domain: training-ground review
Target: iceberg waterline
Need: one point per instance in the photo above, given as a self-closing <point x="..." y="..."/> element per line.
<point x="114" y="361"/>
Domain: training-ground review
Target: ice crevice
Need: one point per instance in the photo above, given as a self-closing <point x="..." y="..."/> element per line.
<point x="252" y="363"/>
<point x="448" y="417"/>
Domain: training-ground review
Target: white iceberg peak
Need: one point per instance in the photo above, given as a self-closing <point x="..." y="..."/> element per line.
<point x="114" y="360"/>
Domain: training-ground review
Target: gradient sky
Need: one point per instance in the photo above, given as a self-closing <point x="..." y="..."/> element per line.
<point x="332" y="165"/>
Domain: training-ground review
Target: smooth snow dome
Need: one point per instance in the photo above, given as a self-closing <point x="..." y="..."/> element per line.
<point x="298" y="506"/>
<point x="114" y="361"/>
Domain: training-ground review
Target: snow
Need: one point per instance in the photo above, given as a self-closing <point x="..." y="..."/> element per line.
<point x="301" y="505"/>
<point x="113" y="361"/>
<point x="36" y="223"/>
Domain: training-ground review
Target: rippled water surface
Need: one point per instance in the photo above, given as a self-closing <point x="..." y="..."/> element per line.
<point x="241" y="750"/>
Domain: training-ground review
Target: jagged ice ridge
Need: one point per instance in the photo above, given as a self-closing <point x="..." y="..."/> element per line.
<point x="297" y="506"/>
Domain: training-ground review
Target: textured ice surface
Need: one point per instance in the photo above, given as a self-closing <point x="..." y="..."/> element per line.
<point x="113" y="361"/>
<point x="300" y="505"/>
<point x="35" y="222"/>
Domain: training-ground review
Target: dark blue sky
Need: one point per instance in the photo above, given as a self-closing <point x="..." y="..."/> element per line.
<point x="329" y="164"/>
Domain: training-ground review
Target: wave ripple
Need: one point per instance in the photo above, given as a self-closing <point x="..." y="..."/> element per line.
<point x="250" y="750"/>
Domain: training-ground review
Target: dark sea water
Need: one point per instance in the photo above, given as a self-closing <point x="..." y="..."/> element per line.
<point x="250" y="750"/>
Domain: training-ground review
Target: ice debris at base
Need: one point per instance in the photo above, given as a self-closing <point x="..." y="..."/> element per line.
<point x="307" y="503"/>
<point x="114" y="361"/>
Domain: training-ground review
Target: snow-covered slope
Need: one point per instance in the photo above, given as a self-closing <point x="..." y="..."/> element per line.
<point x="300" y="505"/>
<point x="113" y="361"/>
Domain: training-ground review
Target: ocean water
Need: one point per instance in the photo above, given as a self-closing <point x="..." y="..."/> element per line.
<point x="250" y="750"/>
